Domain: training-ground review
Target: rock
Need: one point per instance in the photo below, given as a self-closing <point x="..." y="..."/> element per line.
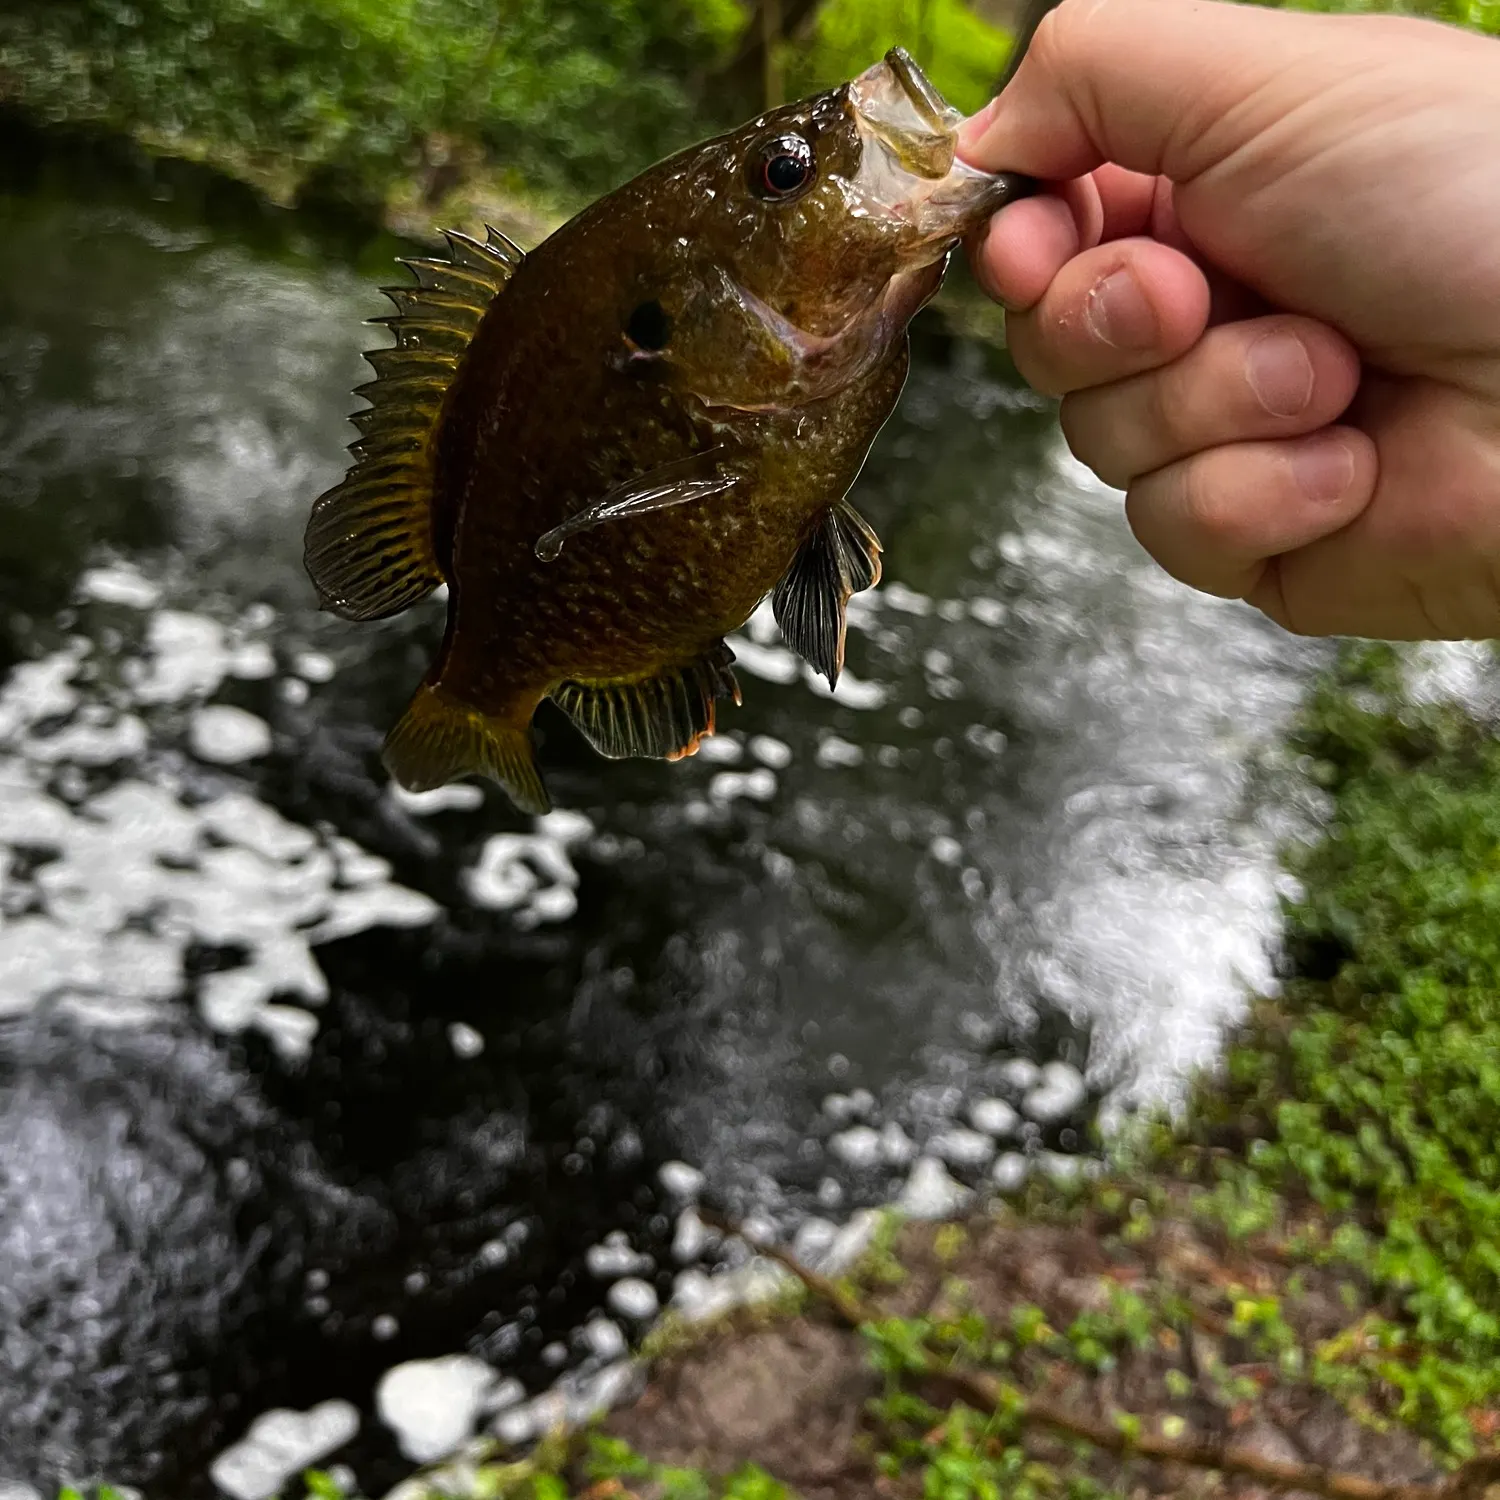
<point x="994" y="1117"/>
<point x="1009" y="1171"/>
<point x="858" y="1147"/>
<point x="680" y="1180"/>
<point x="1060" y="1092"/>
<point x="930" y="1193"/>
<point x="698" y="1297"/>
<point x="962" y="1148"/>
<point x="633" y="1298"/>
<point x="533" y="1419"/>
<point x="588" y="1396"/>
<point x="279" y="1446"/>
<point x="813" y="1240"/>
<point x="434" y="1405"/>
<point x="851" y="1242"/>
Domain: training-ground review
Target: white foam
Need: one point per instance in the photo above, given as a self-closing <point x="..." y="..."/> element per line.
<point x="279" y="1446"/>
<point x="225" y="735"/>
<point x="434" y="1405"/>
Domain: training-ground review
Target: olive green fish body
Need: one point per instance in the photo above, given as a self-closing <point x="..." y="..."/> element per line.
<point x="613" y="448"/>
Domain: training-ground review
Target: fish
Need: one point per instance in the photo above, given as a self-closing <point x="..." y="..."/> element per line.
<point x="612" y="448"/>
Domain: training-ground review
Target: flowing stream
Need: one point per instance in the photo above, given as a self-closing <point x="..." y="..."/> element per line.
<point x="301" y="1079"/>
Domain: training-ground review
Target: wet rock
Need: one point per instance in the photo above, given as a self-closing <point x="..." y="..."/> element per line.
<point x="1060" y="1092"/>
<point x="813" y="1240"/>
<point x="279" y="1445"/>
<point x="851" y="1242"/>
<point x="698" y="1297"/>
<point x="930" y="1193"/>
<point x="433" y="1405"/>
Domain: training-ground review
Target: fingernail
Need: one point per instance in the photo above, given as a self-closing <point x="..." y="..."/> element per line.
<point x="1118" y="313"/>
<point x="1324" y="467"/>
<point x="1280" y="373"/>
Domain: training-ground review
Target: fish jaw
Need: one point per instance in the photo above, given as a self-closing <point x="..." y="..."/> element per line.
<point x="909" y="170"/>
<point x="820" y="365"/>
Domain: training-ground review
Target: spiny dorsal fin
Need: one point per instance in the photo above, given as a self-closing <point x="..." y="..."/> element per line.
<point x="662" y="717"/>
<point x="840" y="557"/>
<point x="369" y="539"/>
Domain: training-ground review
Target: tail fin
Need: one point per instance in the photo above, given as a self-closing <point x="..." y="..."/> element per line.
<point x="439" y="738"/>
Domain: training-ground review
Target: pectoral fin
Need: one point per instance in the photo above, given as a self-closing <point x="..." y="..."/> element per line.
<point x="839" y="558"/>
<point x="662" y="717"/>
<point x="693" y="478"/>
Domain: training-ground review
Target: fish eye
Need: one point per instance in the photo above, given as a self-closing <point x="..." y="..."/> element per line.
<point x="649" y="327"/>
<point x="781" y="168"/>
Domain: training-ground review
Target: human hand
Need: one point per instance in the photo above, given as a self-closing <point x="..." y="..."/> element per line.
<point x="1266" y="283"/>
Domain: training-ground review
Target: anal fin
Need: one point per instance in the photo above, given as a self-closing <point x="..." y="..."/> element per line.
<point x="839" y="558"/>
<point x="439" y="739"/>
<point x="661" y="717"/>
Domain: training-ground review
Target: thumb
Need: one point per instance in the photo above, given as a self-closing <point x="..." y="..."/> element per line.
<point x="1160" y="86"/>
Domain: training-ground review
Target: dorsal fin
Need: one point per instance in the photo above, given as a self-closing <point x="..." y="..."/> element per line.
<point x="369" y="539"/>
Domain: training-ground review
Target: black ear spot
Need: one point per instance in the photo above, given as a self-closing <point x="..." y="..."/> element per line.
<point x="648" y="327"/>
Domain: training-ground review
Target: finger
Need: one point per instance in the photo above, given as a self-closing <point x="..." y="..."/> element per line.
<point x="1109" y="313"/>
<point x="1214" y="520"/>
<point x="1271" y="378"/>
<point x="1167" y="87"/>
<point x="1023" y="249"/>
<point x="1128" y="202"/>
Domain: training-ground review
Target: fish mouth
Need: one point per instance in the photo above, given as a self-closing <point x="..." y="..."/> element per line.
<point x="896" y="103"/>
<point x="909" y="167"/>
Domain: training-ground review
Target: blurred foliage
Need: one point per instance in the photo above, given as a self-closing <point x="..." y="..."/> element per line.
<point x="1477" y="15"/>
<point x="962" y="54"/>
<point x="563" y="93"/>
<point x="344" y="99"/>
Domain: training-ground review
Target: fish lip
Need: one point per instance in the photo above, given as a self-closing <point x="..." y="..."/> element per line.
<point x="930" y="104"/>
<point x="896" y="104"/>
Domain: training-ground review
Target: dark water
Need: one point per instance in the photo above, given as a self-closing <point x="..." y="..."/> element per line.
<point x="299" y="1080"/>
